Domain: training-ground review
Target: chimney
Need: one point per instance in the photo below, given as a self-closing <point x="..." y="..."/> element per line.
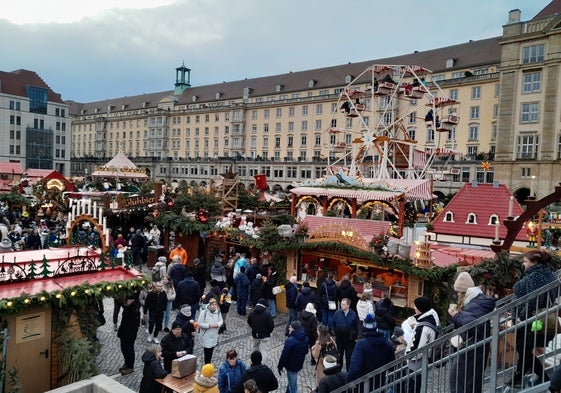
<point x="474" y="183"/>
<point x="513" y="16"/>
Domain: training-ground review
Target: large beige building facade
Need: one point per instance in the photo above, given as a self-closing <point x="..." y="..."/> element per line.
<point x="280" y="125"/>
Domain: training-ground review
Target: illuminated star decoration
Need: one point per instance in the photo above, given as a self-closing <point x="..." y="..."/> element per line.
<point x="485" y="165"/>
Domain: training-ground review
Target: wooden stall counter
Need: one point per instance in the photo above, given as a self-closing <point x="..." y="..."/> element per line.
<point x="179" y="385"/>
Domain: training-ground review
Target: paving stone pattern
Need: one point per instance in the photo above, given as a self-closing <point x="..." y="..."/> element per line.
<point x="237" y="336"/>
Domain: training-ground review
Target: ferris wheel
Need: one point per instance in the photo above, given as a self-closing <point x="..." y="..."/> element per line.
<point x="378" y="118"/>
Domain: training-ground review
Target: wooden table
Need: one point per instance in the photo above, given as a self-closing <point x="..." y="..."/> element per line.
<point x="180" y="385"/>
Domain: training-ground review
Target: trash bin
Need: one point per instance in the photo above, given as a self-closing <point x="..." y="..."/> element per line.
<point x="153" y="253"/>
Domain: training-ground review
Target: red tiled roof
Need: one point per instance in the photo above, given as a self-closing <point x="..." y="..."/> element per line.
<point x="484" y="200"/>
<point x="11" y="167"/>
<point x="15" y="82"/>
<point x="365" y="228"/>
<point x="553" y="8"/>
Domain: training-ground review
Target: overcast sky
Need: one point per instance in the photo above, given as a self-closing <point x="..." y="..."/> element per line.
<point x="100" y="49"/>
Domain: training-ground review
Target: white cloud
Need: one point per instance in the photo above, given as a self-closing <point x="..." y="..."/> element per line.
<point x="68" y="11"/>
<point x="129" y="47"/>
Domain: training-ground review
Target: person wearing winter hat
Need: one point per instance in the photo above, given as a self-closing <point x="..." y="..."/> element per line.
<point x="293" y="355"/>
<point x="310" y="324"/>
<point x="334" y="378"/>
<point x="363" y="362"/>
<point x="463" y="282"/>
<point x="261" y="323"/>
<point x="369" y="322"/>
<point x="205" y="381"/>
<point x="397" y="341"/>
<point x="152" y="369"/>
<point x="185" y="319"/>
<point x="175" y="344"/>
<point x="468" y="369"/>
<point x="425" y="331"/>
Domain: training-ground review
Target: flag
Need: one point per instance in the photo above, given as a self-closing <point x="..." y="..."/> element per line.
<point x="260" y="182"/>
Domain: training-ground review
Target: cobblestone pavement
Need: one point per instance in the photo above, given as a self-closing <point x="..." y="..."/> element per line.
<point x="237" y="336"/>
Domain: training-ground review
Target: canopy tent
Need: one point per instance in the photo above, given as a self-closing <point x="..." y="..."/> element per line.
<point x="120" y="167"/>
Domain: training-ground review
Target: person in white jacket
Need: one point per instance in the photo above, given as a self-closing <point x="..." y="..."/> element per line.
<point x="364" y="306"/>
<point x="210" y="320"/>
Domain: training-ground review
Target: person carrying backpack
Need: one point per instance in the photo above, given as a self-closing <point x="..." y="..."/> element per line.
<point x="425" y="330"/>
<point x="159" y="270"/>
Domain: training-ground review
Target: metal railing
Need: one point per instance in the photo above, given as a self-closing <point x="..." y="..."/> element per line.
<point x="487" y="361"/>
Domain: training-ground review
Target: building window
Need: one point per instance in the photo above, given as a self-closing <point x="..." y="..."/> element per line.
<point x="473" y="133"/>
<point x="472" y="152"/>
<point x="474" y="113"/>
<point x="527" y="147"/>
<point x="266" y="114"/>
<point x="413" y="117"/>
<point x="411" y="132"/>
<point x="532" y="82"/>
<point x="449" y="217"/>
<point x="559" y="147"/>
<point x="279" y="113"/>
<point x="471" y="218"/>
<point x="451" y="136"/>
<point x="290" y="141"/>
<point x="530" y="112"/>
<point x="291" y="111"/>
<point x="318" y="125"/>
<point x="290" y="126"/>
<point x="278" y="127"/>
<point x="525" y="173"/>
<point x="495" y="111"/>
<point x="454" y="94"/>
<point x="319" y="109"/>
<point x="303" y="140"/>
<point x="430" y="135"/>
<point x="304" y="110"/>
<point x="493" y="219"/>
<point x="533" y="54"/>
<point x="349" y="123"/>
<point x="476" y="93"/>
<point x="304" y="125"/>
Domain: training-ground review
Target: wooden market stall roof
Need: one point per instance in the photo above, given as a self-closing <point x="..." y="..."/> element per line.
<point x="67" y="267"/>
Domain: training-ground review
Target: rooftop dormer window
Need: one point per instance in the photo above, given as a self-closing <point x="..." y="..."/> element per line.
<point x="449" y="217"/>
<point x="471" y="218"/>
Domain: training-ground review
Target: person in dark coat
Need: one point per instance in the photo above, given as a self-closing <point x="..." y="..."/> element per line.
<point x="33" y="241"/>
<point x="272" y="282"/>
<point x="130" y="321"/>
<point x="155" y="305"/>
<point x="293" y="355"/>
<point x="200" y="273"/>
<point x="214" y="293"/>
<point x="306" y="295"/>
<point x="137" y="243"/>
<point x="189" y="292"/>
<point x="257" y="289"/>
<point x="334" y="378"/>
<point x="261" y="323"/>
<point x="291" y="293"/>
<point x="242" y="291"/>
<point x="467" y="371"/>
<point x="345" y="326"/>
<point x="310" y="325"/>
<point x="384" y="317"/>
<point x="186" y="320"/>
<point x="262" y="375"/>
<point x="328" y="292"/>
<point x="152" y="370"/>
<point x="537" y="274"/>
<point x="363" y="361"/>
<point x="176" y="273"/>
<point x="175" y="344"/>
<point x="346" y="290"/>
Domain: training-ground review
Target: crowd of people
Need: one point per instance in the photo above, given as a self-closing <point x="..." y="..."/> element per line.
<point x="333" y="326"/>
